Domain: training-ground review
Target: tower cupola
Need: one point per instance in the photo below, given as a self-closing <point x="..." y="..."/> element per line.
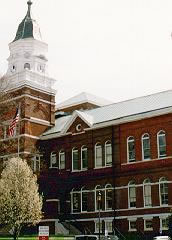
<point x="28" y="28"/>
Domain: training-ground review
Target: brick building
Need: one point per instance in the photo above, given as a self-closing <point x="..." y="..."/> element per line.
<point x="97" y="161"/>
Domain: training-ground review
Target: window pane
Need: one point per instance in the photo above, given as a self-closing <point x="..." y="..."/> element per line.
<point x="164" y="193"/>
<point x="98" y="156"/>
<point x="148" y="224"/>
<point x="76" y="202"/>
<point x="147" y="195"/>
<point x="162" y="145"/>
<point x="109" y="199"/>
<point x="75" y="160"/>
<point x="132" y="225"/>
<point x="84" y="158"/>
<point x="108" y="154"/>
<point x="132" y="196"/>
<point x="146" y="148"/>
<point x="84" y="201"/>
<point x="62" y="160"/>
<point x="131" y="150"/>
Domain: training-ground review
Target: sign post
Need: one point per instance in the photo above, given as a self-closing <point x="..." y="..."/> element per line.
<point x="43" y="232"/>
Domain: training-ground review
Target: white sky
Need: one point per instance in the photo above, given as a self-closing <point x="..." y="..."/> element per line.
<point x="116" y="49"/>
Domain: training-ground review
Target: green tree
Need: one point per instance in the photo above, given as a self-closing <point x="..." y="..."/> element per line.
<point x="20" y="202"/>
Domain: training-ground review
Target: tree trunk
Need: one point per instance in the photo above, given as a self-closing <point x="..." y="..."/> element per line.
<point x="16" y="232"/>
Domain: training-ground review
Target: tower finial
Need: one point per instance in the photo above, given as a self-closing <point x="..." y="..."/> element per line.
<point x="29" y="3"/>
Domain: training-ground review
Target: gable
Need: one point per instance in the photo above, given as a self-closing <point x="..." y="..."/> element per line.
<point x="78" y="126"/>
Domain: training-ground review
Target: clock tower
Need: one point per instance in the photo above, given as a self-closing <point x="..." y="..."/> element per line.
<point x="29" y="83"/>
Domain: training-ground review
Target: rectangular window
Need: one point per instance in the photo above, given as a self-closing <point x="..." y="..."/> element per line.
<point x="148" y="225"/>
<point x="162" y="145"/>
<point x="84" y="201"/>
<point x="146" y="148"/>
<point x="132" y="225"/>
<point x="76" y="202"/>
<point x="62" y="160"/>
<point x="75" y="160"/>
<point x="53" y="160"/>
<point x="108" y="154"/>
<point x="164" y="223"/>
<point x="147" y="196"/>
<point x="98" y="153"/>
<point x="109" y="193"/>
<point x="109" y="226"/>
<point x="131" y="149"/>
<point x="97" y="226"/>
<point x="164" y="193"/>
<point x="132" y="196"/>
<point x="84" y="156"/>
<point x="36" y="163"/>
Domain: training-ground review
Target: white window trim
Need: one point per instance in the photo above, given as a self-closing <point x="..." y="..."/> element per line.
<point x="34" y="161"/>
<point x="108" y="221"/>
<point x="98" y="145"/>
<point x="143" y="137"/>
<point x="83" y="191"/>
<point x="162" y="218"/>
<point x="128" y="160"/>
<point x="147" y="229"/>
<point x="161" y="156"/>
<point x="107" y="187"/>
<point x="97" y="189"/>
<point x="52" y="155"/>
<point x="83" y="148"/>
<point x="61" y="152"/>
<point x="160" y="202"/>
<point x="97" y="230"/>
<point x="71" y="194"/>
<point x="75" y="150"/>
<point x="108" y="143"/>
<point x="129" y="225"/>
<point x="146" y="184"/>
<point x="130" y="185"/>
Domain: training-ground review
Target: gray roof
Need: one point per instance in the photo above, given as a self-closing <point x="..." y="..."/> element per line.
<point x="121" y="110"/>
<point x="28" y="28"/>
<point x="83" y="97"/>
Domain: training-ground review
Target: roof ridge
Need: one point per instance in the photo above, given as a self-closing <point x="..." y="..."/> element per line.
<point x="131" y="99"/>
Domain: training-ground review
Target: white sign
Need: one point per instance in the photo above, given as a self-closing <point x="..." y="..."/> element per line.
<point x="43" y="230"/>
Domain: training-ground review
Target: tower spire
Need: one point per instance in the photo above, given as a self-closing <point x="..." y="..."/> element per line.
<point x="28" y="28"/>
<point x="29" y="3"/>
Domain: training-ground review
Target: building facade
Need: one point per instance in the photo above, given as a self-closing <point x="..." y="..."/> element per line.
<point x="102" y="168"/>
<point x="120" y="150"/>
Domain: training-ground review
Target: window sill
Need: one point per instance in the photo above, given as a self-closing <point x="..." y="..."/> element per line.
<point x="132" y="230"/>
<point x="102" y="167"/>
<point x="148" y="230"/>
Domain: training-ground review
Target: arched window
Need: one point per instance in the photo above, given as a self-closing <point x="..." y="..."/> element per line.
<point x="163" y="190"/>
<point x="27" y="66"/>
<point x="75" y="201"/>
<point x="146" y="147"/>
<point x="132" y="194"/>
<point x="84" y="157"/>
<point x="98" y="155"/>
<point x="147" y="193"/>
<point x="99" y="195"/>
<point x="161" y="140"/>
<point x="61" y="159"/>
<point x="53" y="160"/>
<point x="84" y="199"/>
<point x="108" y="197"/>
<point x="108" y="153"/>
<point x="75" y="159"/>
<point x="131" y="149"/>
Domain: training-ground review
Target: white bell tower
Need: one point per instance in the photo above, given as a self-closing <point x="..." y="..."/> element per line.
<point x="27" y="63"/>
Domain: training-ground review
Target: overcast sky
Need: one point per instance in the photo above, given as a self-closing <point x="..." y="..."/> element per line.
<point x="116" y="49"/>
